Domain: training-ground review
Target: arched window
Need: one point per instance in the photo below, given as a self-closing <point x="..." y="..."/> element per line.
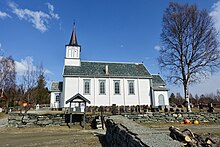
<point x="161" y="100"/>
<point x="117" y="87"/>
<point x="102" y="87"/>
<point x="130" y="87"/>
<point x="86" y="86"/>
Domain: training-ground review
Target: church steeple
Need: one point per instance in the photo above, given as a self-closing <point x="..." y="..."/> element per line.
<point x="73" y="50"/>
<point x="73" y="39"/>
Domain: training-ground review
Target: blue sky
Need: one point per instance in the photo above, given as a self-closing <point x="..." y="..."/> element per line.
<point x="107" y="30"/>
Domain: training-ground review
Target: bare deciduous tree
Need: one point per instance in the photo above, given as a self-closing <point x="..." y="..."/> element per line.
<point x="29" y="79"/>
<point x="7" y="76"/>
<point x="190" y="46"/>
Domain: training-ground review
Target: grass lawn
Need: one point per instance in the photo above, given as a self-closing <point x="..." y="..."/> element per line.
<point x="3" y="115"/>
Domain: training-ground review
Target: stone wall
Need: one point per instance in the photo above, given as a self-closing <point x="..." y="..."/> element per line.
<point x="35" y="120"/>
<point x="123" y="132"/>
<point x="32" y="120"/>
<point x="176" y="117"/>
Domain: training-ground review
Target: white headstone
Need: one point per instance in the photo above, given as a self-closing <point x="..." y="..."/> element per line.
<point x="37" y="107"/>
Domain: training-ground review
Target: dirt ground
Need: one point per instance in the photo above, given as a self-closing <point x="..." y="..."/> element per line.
<point x="211" y="130"/>
<point x="75" y="136"/>
<point x="51" y="136"/>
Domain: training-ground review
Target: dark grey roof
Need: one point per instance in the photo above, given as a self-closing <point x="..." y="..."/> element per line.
<point x="73" y="40"/>
<point x="158" y="83"/>
<point x="157" y="80"/>
<point x="57" y="86"/>
<point x="78" y="96"/>
<point x="98" y="69"/>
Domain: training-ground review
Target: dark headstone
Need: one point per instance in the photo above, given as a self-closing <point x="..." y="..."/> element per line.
<point x="171" y="110"/>
<point x="165" y="109"/>
<point x="210" y="108"/>
<point x="114" y="109"/>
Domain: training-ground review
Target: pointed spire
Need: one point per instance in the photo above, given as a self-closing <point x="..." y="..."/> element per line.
<point x="73" y="39"/>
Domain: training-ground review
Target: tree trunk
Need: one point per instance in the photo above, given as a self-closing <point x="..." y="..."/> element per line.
<point x="176" y="134"/>
<point x="186" y="94"/>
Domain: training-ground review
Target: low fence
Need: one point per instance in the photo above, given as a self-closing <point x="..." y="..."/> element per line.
<point x="123" y="132"/>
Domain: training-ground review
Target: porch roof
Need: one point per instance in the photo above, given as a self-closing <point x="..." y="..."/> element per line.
<point x="79" y="97"/>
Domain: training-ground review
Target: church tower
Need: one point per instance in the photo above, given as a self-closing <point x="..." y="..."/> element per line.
<point x="73" y="51"/>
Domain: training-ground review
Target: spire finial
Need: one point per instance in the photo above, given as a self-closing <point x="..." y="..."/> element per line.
<point x="74" y="25"/>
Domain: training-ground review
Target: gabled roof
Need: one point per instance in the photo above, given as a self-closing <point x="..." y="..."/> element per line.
<point x="78" y="96"/>
<point x="56" y="86"/>
<point x="158" y="83"/>
<point x="98" y="69"/>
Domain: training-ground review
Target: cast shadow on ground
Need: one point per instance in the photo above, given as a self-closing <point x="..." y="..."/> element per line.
<point x="102" y="139"/>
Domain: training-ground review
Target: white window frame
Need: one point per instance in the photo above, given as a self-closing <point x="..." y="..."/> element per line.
<point x="102" y="89"/>
<point x="86" y="91"/>
<point x="117" y="82"/>
<point x="131" y="91"/>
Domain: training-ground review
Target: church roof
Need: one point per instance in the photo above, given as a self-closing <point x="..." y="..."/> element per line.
<point x="158" y="83"/>
<point x="98" y="69"/>
<point x="73" y="39"/>
<point x="56" y="86"/>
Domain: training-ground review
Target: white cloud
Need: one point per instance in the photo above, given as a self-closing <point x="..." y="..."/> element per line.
<point x="23" y="65"/>
<point x="215" y="13"/>
<point x="157" y="47"/>
<point x="47" y="71"/>
<point x="51" y="11"/>
<point x="4" y="15"/>
<point x="38" y="19"/>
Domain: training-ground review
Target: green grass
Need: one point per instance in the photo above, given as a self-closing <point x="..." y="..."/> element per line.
<point x="3" y="115"/>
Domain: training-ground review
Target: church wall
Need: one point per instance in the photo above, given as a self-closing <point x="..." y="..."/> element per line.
<point x="156" y="99"/>
<point x="70" y="88"/>
<point x="141" y="96"/>
<point x="53" y="102"/>
<point x="145" y="94"/>
<point x="118" y="99"/>
<point x="102" y="99"/>
<point x="52" y="99"/>
<point x="131" y="99"/>
<point x="71" y="62"/>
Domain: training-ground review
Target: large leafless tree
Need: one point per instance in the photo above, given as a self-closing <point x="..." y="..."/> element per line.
<point x="29" y="80"/>
<point x="7" y="77"/>
<point x="189" y="49"/>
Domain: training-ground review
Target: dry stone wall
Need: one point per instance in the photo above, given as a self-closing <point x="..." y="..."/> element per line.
<point x="176" y="117"/>
<point x="35" y="120"/>
<point x="123" y="132"/>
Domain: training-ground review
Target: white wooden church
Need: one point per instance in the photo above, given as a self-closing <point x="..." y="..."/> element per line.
<point x="106" y="83"/>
